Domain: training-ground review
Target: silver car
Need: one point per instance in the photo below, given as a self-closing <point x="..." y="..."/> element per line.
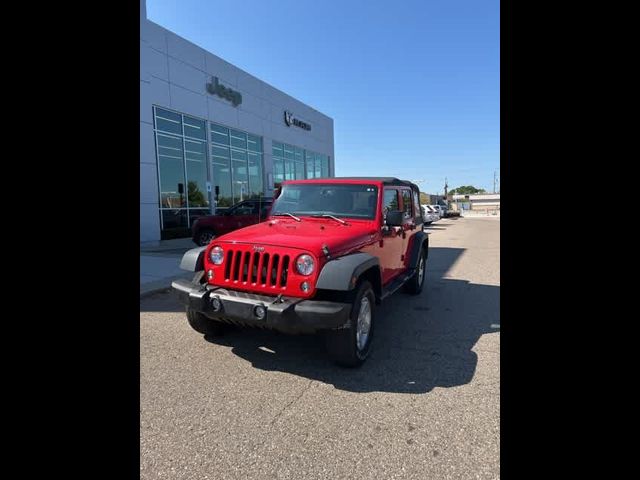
<point x="429" y="214"/>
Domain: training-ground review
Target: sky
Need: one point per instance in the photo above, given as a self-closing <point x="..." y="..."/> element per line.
<point x="413" y="87"/>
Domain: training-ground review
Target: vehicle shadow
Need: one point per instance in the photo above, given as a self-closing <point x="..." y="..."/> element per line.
<point x="421" y="342"/>
<point x="164" y="301"/>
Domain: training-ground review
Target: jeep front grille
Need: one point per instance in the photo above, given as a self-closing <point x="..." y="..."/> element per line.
<point x="256" y="268"/>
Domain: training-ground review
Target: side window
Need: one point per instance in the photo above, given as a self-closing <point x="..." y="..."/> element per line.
<point x="245" y="209"/>
<point x="416" y="204"/>
<point x="390" y="201"/>
<point x="406" y="203"/>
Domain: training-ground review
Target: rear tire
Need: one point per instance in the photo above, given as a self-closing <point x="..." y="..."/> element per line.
<point x="204" y="325"/>
<point x="350" y="347"/>
<point x="204" y="237"/>
<point x="415" y="284"/>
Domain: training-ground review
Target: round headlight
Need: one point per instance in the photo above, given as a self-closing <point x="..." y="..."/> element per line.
<point x="217" y="255"/>
<point x="305" y="264"/>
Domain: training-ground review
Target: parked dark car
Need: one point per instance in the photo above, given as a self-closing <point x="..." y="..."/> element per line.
<point x="240" y="215"/>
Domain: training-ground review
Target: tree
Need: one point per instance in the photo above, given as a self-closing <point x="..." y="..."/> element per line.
<point x="196" y="197"/>
<point x="466" y="190"/>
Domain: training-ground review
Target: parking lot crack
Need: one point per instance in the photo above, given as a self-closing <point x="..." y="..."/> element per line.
<point x="288" y="405"/>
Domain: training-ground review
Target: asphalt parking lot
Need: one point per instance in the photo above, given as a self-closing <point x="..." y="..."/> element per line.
<point x="258" y="404"/>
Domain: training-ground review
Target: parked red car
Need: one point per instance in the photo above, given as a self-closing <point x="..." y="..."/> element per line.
<point x="240" y="215"/>
<point x="329" y="252"/>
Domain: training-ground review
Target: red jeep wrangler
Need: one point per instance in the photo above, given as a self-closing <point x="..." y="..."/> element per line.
<point x="330" y="250"/>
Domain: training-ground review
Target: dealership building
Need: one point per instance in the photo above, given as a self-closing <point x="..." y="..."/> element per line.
<point x="213" y="135"/>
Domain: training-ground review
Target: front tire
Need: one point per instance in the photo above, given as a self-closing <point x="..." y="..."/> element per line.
<point x="204" y="325"/>
<point x="350" y="347"/>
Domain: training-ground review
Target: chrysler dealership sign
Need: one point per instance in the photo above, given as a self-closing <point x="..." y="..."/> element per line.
<point x="289" y="119"/>
<point x="216" y="88"/>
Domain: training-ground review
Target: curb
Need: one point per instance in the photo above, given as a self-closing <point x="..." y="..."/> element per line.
<point x="160" y="286"/>
<point x="153" y="291"/>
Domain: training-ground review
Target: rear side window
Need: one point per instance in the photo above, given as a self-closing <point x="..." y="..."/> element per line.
<point x="406" y="203"/>
<point x="416" y="206"/>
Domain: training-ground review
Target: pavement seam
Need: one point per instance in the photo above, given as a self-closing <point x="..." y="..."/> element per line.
<point x="304" y="390"/>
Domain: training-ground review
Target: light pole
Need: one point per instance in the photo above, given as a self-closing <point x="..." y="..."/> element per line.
<point x="241" y="182"/>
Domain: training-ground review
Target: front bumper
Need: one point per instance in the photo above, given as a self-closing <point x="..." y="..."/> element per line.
<point x="286" y="314"/>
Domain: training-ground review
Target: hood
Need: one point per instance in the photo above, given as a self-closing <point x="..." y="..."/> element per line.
<point x="309" y="234"/>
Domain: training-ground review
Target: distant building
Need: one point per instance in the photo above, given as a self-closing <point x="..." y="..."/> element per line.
<point x="480" y="201"/>
<point x="434" y="199"/>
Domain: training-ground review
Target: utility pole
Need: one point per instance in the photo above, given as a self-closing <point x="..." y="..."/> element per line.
<point x="494" y="181"/>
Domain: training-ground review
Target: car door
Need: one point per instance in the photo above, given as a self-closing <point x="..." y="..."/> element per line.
<point x="246" y="214"/>
<point x="389" y="250"/>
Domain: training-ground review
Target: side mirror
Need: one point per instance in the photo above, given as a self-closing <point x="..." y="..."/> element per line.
<point x="395" y="218"/>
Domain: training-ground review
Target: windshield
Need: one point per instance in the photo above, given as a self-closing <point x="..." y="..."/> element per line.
<point x="339" y="200"/>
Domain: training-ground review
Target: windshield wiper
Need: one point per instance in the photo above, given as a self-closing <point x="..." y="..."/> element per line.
<point x="286" y="213"/>
<point x="326" y="215"/>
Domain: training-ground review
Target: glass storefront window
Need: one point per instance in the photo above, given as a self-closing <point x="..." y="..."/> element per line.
<point x="174" y="222"/>
<point x="318" y="166"/>
<point x="240" y="185"/>
<point x="196" y="161"/>
<point x="324" y="166"/>
<point x="221" y="176"/>
<point x="310" y="161"/>
<point x="239" y="168"/>
<point x="278" y="170"/>
<point x="255" y="175"/>
<point x="219" y="134"/>
<point x="171" y="171"/>
<point x="288" y="152"/>
<point x="295" y="163"/>
<point x="169" y="122"/>
<point x="254" y="144"/>
<point x="289" y="170"/>
<point x="238" y="139"/>
<point x="194" y="128"/>
<point x="183" y="156"/>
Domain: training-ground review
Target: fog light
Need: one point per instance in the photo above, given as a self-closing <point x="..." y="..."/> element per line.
<point x="210" y="274"/>
<point x="216" y="304"/>
<point x="304" y="286"/>
<point x="260" y="312"/>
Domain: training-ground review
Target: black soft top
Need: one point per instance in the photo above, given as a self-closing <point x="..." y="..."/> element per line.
<point x="384" y="180"/>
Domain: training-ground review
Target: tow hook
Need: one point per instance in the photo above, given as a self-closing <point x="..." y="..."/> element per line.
<point x="278" y="299"/>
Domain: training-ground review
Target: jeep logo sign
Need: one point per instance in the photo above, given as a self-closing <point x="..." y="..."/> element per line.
<point x="289" y="119"/>
<point x="257" y="248"/>
<point x="216" y="88"/>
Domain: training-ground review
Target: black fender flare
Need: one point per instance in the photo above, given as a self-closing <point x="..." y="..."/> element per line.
<point x="342" y="273"/>
<point x="420" y="240"/>
<point x="193" y="260"/>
